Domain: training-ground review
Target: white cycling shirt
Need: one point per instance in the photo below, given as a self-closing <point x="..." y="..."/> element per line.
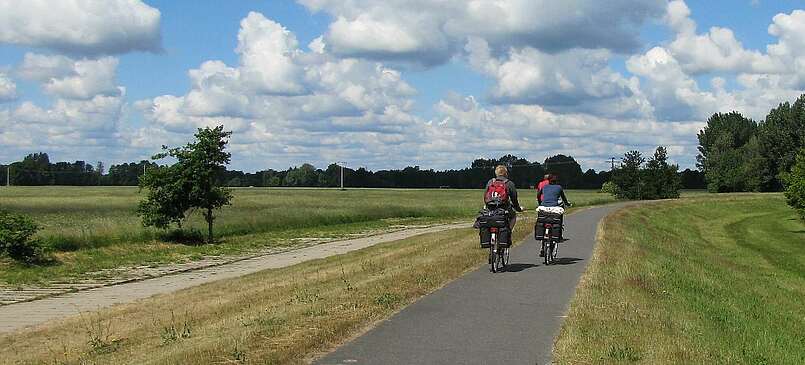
<point x="552" y="210"/>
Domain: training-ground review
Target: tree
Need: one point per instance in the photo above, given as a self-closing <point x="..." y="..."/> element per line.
<point x="304" y="175"/>
<point x="722" y="154"/>
<point x="660" y="180"/>
<point x="780" y="137"/>
<point x="692" y="179"/>
<point x="566" y="168"/>
<point x="191" y="182"/>
<point x="627" y="178"/>
<point x="795" y="184"/>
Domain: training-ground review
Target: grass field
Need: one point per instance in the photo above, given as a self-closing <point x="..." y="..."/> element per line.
<point x="283" y="316"/>
<point x="706" y="280"/>
<point x="92" y="229"/>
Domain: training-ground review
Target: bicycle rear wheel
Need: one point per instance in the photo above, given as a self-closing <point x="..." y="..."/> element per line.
<point x="493" y="253"/>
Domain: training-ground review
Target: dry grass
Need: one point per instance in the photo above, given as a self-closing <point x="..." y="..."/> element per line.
<point x="272" y="317"/>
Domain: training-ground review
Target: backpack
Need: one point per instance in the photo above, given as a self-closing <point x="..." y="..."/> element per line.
<point x="497" y="193"/>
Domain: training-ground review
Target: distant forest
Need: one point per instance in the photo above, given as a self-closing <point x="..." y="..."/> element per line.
<point x="36" y="169"/>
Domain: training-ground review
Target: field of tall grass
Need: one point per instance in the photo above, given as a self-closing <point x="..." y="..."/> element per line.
<point x="96" y="228"/>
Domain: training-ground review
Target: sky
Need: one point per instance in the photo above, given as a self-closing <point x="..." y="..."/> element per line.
<point x="388" y="84"/>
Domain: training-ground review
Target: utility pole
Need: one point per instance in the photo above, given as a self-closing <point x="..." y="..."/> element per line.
<point x="341" y="164"/>
<point x="612" y="160"/>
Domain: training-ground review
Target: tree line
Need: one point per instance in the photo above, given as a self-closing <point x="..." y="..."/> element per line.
<point x="36" y="169"/>
<point x="740" y="154"/>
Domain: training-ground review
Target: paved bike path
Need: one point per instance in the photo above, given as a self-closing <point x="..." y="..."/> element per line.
<point x="483" y="318"/>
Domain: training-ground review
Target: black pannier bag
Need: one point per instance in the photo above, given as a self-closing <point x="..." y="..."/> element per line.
<point x="486" y="237"/>
<point x="556" y="221"/>
<point x="504" y="237"/>
<point x="539" y="231"/>
<point x="494" y="218"/>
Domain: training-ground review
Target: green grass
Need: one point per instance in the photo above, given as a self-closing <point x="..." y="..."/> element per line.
<point x="705" y="280"/>
<point x="95" y="228"/>
<point x="283" y="316"/>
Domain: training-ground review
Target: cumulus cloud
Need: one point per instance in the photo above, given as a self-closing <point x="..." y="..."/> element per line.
<point x="430" y="32"/>
<point x="85" y="113"/>
<point x="573" y="80"/>
<point x="86" y="27"/>
<point x="465" y="128"/>
<point x="8" y="89"/>
<point x="280" y="95"/>
<point x="64" y="77"/>
<point x="716" y="50"/>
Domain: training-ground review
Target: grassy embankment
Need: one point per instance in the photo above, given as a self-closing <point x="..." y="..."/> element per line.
<point x="271" y="317"/>
<point x="707" y="280"/>
<point x="92" y="229"/>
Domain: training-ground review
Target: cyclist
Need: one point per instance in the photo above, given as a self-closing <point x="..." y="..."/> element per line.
<point x="548" y="199"/>
<point x="545" y="181"/>
<point x="511" y="204"/>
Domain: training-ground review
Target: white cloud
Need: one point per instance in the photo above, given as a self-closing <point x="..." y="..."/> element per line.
<point x="430" y="32"/>
<point x="88" y="27"/>
<point x="70" y="79"/>
<point x="8" y="89"/>
<point x="466" y="130"/>
<point x="316" y="105"/>
<point x="575" y="80"/>
<point x="717" y="50"/>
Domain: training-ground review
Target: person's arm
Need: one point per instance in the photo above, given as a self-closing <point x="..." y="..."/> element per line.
<point x="564" y="198"/>
<point x="539" y="197"/>
<point x="513" y="197"/>
<point x="483" y="197"/>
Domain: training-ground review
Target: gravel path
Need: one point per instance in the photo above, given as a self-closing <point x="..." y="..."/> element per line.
<point x="26" y="314"/>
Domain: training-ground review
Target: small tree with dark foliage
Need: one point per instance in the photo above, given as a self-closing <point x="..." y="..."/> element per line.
<point x="794" y="182"/>
<point x="190" y="183"/>
<point x="627" y="177"/>
<point x="16" y="238"/>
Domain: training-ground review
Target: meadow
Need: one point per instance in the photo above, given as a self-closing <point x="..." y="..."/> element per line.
<point x="282" y="316"/>
<point x="706" y="280"/>
<point x="95" y="228"/>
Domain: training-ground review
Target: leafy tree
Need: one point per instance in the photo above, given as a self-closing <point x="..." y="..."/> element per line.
<point x="795" y="184"/>
<point x="627" y="178"/>
<point x="780" y="137"/>
<point x="304" y="175"/>
<point x="661" y="180"/>
<point x="16" y="238"/>
<point x="167" y="200"/>
<point x="567" y="169"/>
<point x="692" y="179"/>
<point x="191" y="182"/>
<point x="721" y="151"/>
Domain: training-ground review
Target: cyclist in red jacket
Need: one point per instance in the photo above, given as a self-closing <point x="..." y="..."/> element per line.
<point x="511" y="204"/>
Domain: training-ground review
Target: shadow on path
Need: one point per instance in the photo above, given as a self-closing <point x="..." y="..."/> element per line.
<point x="518" y="267"/>
<point x="566" y="260"/>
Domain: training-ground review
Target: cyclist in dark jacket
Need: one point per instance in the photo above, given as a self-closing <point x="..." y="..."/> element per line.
<point x="502" y="174"/>
<point x="549" y="194"/>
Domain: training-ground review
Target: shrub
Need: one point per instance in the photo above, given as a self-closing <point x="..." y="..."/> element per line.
<point x="16" y="232"/>
<point x="609" y="187"/>
<point x="795" y="185"/>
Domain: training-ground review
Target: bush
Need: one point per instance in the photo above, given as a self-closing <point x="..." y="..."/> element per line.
<point x="16" y="232"/>
<point x="609" y="187"/>
<point x="794" y="182"/>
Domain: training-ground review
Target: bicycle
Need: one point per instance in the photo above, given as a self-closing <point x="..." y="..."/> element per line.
<point x="498" y="254"/>
<point x="550" y="242"/>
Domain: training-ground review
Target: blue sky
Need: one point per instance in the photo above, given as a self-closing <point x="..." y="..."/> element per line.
<point x="394" y="84"/>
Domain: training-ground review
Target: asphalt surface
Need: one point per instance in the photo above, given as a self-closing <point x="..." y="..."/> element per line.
<point x="484" y="318"/>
